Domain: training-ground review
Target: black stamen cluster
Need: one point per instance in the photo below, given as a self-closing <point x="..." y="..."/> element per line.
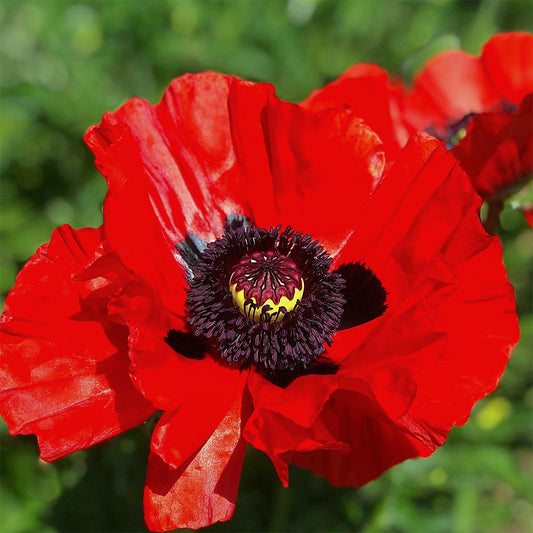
<point x="289" y="345"/>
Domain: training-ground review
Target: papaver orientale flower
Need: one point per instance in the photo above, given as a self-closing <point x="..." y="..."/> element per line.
<point x="483" y="103"/>
<point x="263" y="275"/>
<point x="497" y="154"/>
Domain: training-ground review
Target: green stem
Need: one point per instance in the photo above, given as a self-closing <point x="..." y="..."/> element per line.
<point x="492" y="222"/>
<point x="282" y="507"/>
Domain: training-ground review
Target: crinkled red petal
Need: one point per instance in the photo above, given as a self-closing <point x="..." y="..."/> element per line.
<point x="291" y="157"/>
<point x="215" y="146"/>
<point x="497" y="151"/>
<point x="311" y="432"/>
<point x="448" y="331"/>
<point x="279" y="437"/>
<point x="171" y="169"/>
<point x="375" y="443"/>
<point x="161" y="373"/>
<point x="132" y="227"/>
<point x="204" y="488"/>
<point x="442" y="344"/>
<point x="283" y="418"/>
<point x="181" y="432"/>
<point x="64" y="372"/>
<point x="301" y="401"/>
<point x="366" y="91"/>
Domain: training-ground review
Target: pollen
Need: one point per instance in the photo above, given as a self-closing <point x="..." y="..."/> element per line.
<point x="266" y="286"/>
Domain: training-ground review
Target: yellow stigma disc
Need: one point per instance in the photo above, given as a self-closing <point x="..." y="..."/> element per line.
<point x="269" y="311"/>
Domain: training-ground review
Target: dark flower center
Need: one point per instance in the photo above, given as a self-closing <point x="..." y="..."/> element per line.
<point x="246" y="297"/>
<point x="268" y="298"/>
<point x="266" y="286"/>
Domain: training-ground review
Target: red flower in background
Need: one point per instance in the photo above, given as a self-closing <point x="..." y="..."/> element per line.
<point x="455" y="85"/>
<point x="497" y="154"/>
<point x="452" y="90"/>
<point x="350" y="343"/>
<point x="498" y="148"/>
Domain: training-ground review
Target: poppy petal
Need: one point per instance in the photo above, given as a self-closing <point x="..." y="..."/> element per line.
<point x="170" y="169"/>
<point x="405" y="381"/>
<point x="132" y="227"/>
<point x="165" y="373"/>
<point x="497" y="150"/>
<point x="376" y="444"/>
<point x="301" y="401"/>
<point x="508" y="61"/>
<point x="183" y="149"/>
<point x="451" y="309"/>
<point x="204" y="489"/>
<point x="180" y="432"/>
<point x="423" y="173"/>
<point x="61" y="371"/>
<point x="155" y="367"/>
<point x="366" y="91"/>
<point x="292" y="155"/>
<point x="456" y="84"/>
<point x="280" y="438"/>
<point x="392" y="366"/>
<point x="187" y="162"/>
<point x="283" y="419"/>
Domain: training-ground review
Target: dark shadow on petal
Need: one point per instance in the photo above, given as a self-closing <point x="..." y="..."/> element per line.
<point x="130" y="407"/>
<point x="365" y="296"/>
<point x="320" y="367"/>
<point x="186" y="344"/>
<point x="192" y="246"/>
<point x="191" y="249"/>
<point x="234" y="222"/>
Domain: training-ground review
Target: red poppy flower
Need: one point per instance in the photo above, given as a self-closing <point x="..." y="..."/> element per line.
<point x="263" y="275"/>
<point x="497" y="154"/>
<point x="453" y="89"/>
<point x="455" y="85"/>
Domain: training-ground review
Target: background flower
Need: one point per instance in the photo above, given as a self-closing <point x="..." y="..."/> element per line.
<point x="454" y="85"/>
<point x="482" y="103"/>
<point x="65" y="64"/>
<point x="481" y="107"/>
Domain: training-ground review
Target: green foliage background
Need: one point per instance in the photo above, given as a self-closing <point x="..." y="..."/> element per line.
<point x="63" y="64"/>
